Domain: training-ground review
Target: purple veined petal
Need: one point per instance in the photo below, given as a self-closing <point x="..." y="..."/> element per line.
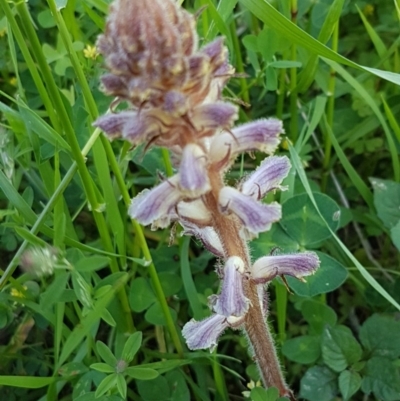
<point x="204" y="334"/>
<point x="267" y="177"/>
<point x="113" y="124"/>
<point x="157" y="203"/>
<point x="214" y="115"/>
<point x="255" y="216"/>
<point x="193" y="171"/>
<point x="260" y="135"/>
<point x="207" y="235"/>
<point x="296" y="265"/>
<point x="232" y="301"/>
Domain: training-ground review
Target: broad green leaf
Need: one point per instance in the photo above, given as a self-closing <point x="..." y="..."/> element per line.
<point x="382" y="379"/>
<point x="178" y="386"/>
<point x="269" y="240"/>
<point x="141" y="373"/>
<point x="92" y="263"/>
<point x="170" y="282"/>
<point x="141" y="295"/>
<point x="380" y="335"/>
<point x="339" y="348"/>
<point x="302" y="222"/>
<point x="318" y="384"/>
<point x="387" y="200"/>
<point x="395" y="235"/>
<point x="154" y="390"/>
<point x="132" y="346"/>
<point x="106" y="384"/>
<point x="102" y="367"/>
<point x="349" y="383"/>
<point x="318" y="315"/>
<point x="72" y="369"/>
<point x="105" y="353"/>
<point x="330" y="275"/>
<point x="262" y="394"/>
<point x="303" y="349"/>
<point x="155" y="315"/>
<point x="121" y="386"/>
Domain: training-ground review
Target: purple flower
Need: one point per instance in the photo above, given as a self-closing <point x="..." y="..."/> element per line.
<point x="205" y="334"/>
<point x="193" y="171"/>
<point x="156" y="205"/>
<point x="296" y="265"/>
<point x="256" y="216"/>
<point x="113" y="124"/>
<point x="232" y="301"/>
<point x="267" y="177"/>
<point x="212" y="116"/>
<point x="260" y="135"/>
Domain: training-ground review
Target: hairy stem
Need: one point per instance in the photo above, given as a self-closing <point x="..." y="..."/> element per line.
<point x="228" y="229"/>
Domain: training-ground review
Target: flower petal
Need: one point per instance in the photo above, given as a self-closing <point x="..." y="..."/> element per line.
<point x="113" y="124"/>
<point x="232" y="301"/>
<point x="268" y="176"/>
<point x="256" y="216"/>
<point x="297" y="265"/>
<point x="193" y="172"/>
<point x="260" y="135"/>
<point x="214" y="116"/>
<point x="207" y="235"/>
<point x="157" y="203"/>
<point x="204" y="334"/>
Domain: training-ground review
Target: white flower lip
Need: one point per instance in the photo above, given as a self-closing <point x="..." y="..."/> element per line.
<point x="296" y="265"/>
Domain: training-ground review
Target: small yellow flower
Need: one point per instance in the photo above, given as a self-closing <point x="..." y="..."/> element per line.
<point x="250" y="386"/>
<point x="3" y="32"/>
<point x="13" y="81"/>
<point x="17" y="293"/>
<point x="369" y="10"/>
<point x="90" y="52"/>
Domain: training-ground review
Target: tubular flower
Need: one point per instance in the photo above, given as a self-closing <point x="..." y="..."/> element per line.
<point x="173" y="95"/>
<point x="232" y="301"/>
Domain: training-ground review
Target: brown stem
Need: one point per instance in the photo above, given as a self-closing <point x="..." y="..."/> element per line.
<point x="228" y="229"/>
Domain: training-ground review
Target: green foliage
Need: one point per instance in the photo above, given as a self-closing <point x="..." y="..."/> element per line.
<point x="346" y="364"/>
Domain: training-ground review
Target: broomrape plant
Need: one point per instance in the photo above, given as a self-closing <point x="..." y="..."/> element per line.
<point x="173" y="90"/>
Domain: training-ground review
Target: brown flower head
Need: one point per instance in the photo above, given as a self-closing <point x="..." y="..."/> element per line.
<point x="151" y="51"/>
